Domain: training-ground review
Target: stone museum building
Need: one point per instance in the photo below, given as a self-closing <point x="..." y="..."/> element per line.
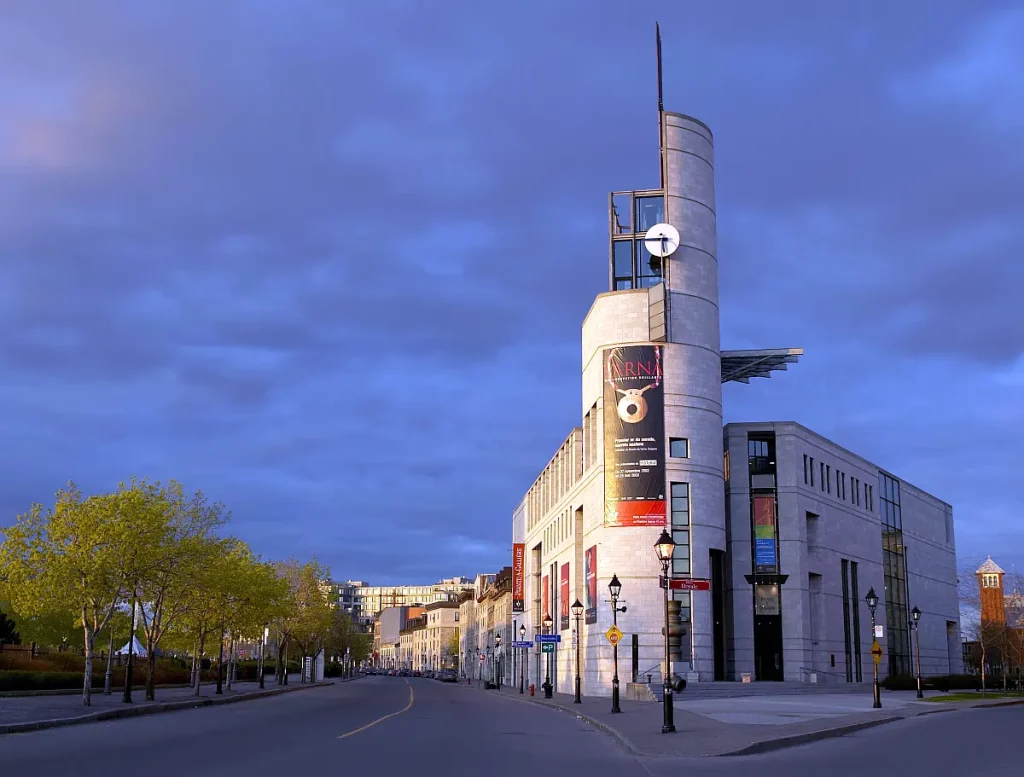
<point x="779" y="531"/>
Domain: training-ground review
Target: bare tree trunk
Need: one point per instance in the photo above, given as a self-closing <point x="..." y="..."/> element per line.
<point x="220" y="662"/>
<point x="284" y="669"/>
<point x="108" y="680"/>
<point x="150" y="672"/>
<point x="87" y="679"/>
<point x="231" y="658"/>
<point x="199" y="671"/>
<point x="195" y="664"/>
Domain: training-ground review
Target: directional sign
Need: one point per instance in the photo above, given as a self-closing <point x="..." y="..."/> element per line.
<point x="876" y="652"/>
<point x="548" y="638"/>
<point x="547" y="647"/>
<point x="613" y="635"/>
<point x="685" y="584"/>
<point x="522" y="644"/>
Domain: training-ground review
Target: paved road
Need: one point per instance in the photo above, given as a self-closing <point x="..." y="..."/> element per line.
<point x="393" y="726"/>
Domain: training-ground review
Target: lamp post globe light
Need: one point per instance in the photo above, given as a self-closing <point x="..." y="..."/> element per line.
<point x="547" y="665"/>
<point x="916" y="614"/>
<point x="522" y="661"/>
<point x="577" y="612"/>
<point x="615" y="589"/>
<point x="665" y="547"/>
<point x="872" y="600"/>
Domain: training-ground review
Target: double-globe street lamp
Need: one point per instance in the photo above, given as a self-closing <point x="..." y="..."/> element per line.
<point x="547" y="665"/>
<point x="916" y="615"/>
<point x="577" y="612"/>
<point x="665" y="547"/>
<point x="615" y="588"/>
<point x="872" y="600"/>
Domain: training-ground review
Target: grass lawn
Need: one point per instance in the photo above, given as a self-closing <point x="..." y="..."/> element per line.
<point x="969" y="696"/>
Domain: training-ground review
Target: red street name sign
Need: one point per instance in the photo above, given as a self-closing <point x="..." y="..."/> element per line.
<point x="685" y="584"/>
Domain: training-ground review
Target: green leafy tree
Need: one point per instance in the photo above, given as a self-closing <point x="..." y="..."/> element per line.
<point x="60" y="630"/>
<point x="70" y="559"/>
<point x="310" y="612"/>
<point x="8" y="633"/>
<point x="183" y="527"/>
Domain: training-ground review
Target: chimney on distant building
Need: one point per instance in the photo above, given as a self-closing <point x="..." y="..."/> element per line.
<point x="990" y="585"/>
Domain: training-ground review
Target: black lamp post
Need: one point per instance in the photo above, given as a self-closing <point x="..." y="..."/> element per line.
<point x="523" y="659"/>
<point x="547" y="665"/>
<point x="577" y="612"/>
<point x="497" y="661"/>
<point x="872" y="600"/>
<point x="615" y="588"/>
<point x="916" y="614"/>
<point x="664" y="547"/>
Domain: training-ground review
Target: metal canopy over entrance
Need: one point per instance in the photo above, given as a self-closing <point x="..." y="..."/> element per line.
<point x="741" y="366"/>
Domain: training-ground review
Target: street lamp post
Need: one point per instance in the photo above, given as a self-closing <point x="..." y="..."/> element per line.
<point x="615" y="588"/>
<point x="523" y="659"/>
<point x="872" y="600"/>
<point x="497" y="660"/>
<point x="577" y="612"/>
<point x="916" y="613"/>
<point x="547" y="665"/>
<point x="664" y="547"/>
<point x="263" y="650"/>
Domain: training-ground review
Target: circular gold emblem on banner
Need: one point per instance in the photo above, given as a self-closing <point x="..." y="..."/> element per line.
<point x="632" y="407"/>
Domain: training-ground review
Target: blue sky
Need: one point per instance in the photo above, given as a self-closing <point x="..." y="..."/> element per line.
<point x="319" y="258"/>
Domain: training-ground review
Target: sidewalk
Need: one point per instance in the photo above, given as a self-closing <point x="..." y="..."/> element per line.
<point x="30" y="713"/>
<point x="638" y="726"/>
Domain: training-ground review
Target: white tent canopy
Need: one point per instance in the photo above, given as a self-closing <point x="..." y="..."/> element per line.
<point x="137" y="648"/>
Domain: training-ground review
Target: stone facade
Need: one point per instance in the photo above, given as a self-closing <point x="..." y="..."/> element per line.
<point x="561" y="516"/>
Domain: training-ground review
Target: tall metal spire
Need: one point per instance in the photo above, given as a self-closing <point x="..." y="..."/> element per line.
<point x="661" y="105"/>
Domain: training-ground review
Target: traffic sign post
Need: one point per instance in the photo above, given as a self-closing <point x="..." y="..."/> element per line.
<point x="613" y="635"/>
<point x="876" y="652"/>
<point x="547" y="647"/>
<point x="548" y="638"/>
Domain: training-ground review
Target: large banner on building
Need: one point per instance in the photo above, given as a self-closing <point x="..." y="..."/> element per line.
<point x="764" y="535"/>
<point x="518" y="577"/>
<point x="634" y="436"/>
<point x="545" y="597"/>
<point x="564" y="595"/>
<point x="590" y="575"/>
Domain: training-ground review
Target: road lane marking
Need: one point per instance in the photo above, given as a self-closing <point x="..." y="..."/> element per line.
<point x="381" y="720"/>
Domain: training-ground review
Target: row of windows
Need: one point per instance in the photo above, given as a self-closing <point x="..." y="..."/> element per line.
<point x="860" y="494"/>
<point x="680" y="511"/>
<point x="557" y="479"/>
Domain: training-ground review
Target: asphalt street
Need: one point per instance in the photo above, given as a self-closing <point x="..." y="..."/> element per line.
<point x="391" y="726"/>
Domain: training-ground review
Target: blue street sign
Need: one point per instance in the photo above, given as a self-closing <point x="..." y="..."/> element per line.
<point x="522" y="644"/>
<point x="548" y="638"/>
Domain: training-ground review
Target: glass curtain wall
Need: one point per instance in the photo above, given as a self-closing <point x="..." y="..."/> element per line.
<point x="894" y="567"/>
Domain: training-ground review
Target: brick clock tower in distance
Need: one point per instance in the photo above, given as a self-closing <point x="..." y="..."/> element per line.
<point x="990" y="586"/>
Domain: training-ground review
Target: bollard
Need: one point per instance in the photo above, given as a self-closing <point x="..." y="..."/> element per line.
<point x="531" y="689"/>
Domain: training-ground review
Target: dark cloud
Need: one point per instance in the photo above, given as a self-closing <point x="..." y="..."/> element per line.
<point x="329" y="262"/>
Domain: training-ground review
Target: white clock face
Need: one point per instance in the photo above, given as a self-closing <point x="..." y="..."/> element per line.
<point x="661" y="240"/>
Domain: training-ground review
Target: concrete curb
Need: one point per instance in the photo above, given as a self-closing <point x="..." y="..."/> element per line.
<point x="151" y="709"/>
<point x="768" y="745"/>
<point x="764" y="746"/>
<point x="986" y="705"/>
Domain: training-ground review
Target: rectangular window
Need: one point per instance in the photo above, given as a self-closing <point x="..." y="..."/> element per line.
<point x="855" y="602"/>
<point x="843" y="497"/>
<point x="867" y="498"/>
<point x="828" y="477"/>
<point x="679" y="448"/>
<point x="845" y="567"/>
<point x="812" y="471"/>
<point x="805" y="469"/>
<point x="649" y="211"/>
<point x="622" y="264"/>
<point x="680" y="510"/>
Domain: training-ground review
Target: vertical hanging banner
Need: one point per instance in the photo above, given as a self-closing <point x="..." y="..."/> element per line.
<point x="634" y="436"/>
<point x="545" y="596"/>
<point x="518" y="577"/>
<point x="564" y="593"/>
<point x="590" y="576"/>
<point x="764" y="535"/>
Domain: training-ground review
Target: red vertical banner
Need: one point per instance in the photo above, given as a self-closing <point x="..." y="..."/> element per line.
<point x="564" y="603"/>
<point x="518" y="577"/>
<point x="590" y="576"/>
<point x="545" y="597"/>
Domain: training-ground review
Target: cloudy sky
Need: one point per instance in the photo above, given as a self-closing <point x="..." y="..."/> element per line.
<point x="321" y="259"/>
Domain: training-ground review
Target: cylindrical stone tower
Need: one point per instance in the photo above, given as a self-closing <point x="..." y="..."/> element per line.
<point x="693" y="365"/>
